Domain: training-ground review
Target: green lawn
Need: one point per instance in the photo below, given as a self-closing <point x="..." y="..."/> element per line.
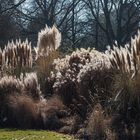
<point x="10" y="134"/>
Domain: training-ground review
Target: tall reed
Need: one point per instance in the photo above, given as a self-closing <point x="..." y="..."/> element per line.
<point x="16" y="57"/>
<point x="46" y="51"/>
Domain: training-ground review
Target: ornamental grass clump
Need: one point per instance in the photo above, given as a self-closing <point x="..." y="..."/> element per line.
<point x="120" y="58"/>
<point x="31" y="86"/>
<point x="50" y="113"/>
<point x="22" y="112"/>
<point x="16" y="58"/>
<point x="96" y="127"/>
<point x="126" y="62"/>
<point x="23" y="106"/>
<point x="49" y="40"/>
<point x="10" y="85"/>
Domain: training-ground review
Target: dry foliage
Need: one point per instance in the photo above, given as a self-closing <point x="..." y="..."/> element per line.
<point x="31" y="86"/>
<point x="95" y="94"/>
<point x="125" y="62"/>
<point x="16" y="58"/>
<point x="96" y="125"/>
<point x="22" y="112"/>
<point x="46" y="51"/>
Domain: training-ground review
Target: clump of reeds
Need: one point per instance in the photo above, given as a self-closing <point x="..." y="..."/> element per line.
<point x="16" y="57"/>
<point x="48" y="42"/>
<point x="10" y="85"/>
<point x="99" y="125"/>
<point x="126" y="64"/>
<point x="126" y="58"/>
<point x="31" y="86"/>
<point x="96" y="128"/>
<point x="22" y="105"/>
<point x="49" y="113"/>
<point x="18" y="54"/>
<point x="49" y="39"/>
<point x="46" y="51"/>
<point x="120" y="59"/>
<point x="22" y="112"/>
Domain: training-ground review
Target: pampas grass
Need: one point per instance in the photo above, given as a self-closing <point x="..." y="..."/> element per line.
<point x="48" y="42"/>
<point x="22" y="106"/>
<point x="31" y="86"/>
<point x="16" y="57"/>
<point x="49" y="113"/>
<point x="10" y="86"/>
<point x="99" y="92"/>
<point x="22" y="112"/>
<point x="126" y="64"/>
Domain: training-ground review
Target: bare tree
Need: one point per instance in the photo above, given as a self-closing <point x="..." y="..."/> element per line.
<point x="118" y="19"/>
<point x="63" y="13"/>
<point x="8" y="28"/>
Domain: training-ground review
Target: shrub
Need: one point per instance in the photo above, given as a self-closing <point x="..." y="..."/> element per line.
<point x="67" y="70"/>
<point x="94" y="80"/>
<point x="81" y="80"/>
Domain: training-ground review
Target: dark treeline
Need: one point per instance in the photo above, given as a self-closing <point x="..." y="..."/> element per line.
<point x="83" y="23"/>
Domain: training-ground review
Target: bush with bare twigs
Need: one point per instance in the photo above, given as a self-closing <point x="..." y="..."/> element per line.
<point x="81" y="78"/>
<point x="67" y="70"/>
